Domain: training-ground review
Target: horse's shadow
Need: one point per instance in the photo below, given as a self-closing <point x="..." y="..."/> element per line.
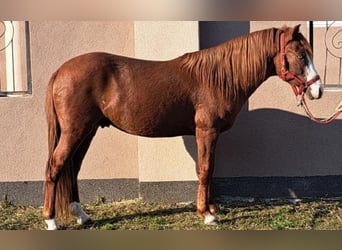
<point x="114" y="222"/>
<point x="246" y="210"/>
<point x="274" y="143"/>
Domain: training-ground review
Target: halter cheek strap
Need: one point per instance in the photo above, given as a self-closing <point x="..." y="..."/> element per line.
<point x="285" y="74"/>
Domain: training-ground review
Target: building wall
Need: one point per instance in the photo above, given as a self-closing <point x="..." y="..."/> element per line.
<point x="112" y="155"/>
<point x="271" y="146"/>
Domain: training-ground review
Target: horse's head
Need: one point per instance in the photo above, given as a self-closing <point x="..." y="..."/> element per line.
<point x="296" y="66"/>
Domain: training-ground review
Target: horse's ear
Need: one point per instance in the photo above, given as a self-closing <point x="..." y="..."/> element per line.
<point x="295" y="30"/>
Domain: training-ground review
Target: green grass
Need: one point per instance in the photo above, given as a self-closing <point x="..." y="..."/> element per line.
<point x="138" y="215"/>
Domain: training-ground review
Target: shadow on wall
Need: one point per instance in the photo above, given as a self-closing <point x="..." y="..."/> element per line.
<point x="274" y="143"/>
<point x="212" y="33"/>
<point x="270" y="142"/>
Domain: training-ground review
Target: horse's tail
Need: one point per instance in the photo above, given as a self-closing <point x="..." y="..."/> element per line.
<point x="66" y="177"/>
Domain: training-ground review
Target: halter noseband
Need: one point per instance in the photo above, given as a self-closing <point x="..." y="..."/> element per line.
<point x="285" y="73"/>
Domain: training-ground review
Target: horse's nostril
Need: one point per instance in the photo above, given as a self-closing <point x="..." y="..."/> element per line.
<point x="320" y="93"/>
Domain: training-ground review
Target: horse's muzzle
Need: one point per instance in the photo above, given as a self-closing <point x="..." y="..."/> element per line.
<point x="315" y="90"/>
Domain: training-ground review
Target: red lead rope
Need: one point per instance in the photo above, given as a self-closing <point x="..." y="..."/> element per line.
<point x="320" y="120"/>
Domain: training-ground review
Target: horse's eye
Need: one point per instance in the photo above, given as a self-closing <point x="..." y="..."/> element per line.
<point x="301" y="56"/>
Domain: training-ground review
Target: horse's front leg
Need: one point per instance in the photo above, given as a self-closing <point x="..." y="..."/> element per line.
<point x="206" y="143"/>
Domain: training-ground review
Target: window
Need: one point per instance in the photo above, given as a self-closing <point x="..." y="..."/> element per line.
<point x="326" y="40"/>
<point x="15" y="72"/>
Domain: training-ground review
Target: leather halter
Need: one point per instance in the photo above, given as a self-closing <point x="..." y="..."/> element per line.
<point x="299" y="90"/>
<point x="286" y="74"/>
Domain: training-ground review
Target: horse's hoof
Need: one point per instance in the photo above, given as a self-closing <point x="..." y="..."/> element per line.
<point x="83" y="219"/>
<point x="76" y="210"/>
<point x="210" y="220"/>
<point x="51" y="224"/>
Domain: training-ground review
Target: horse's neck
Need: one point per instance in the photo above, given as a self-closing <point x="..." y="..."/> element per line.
<point x="260" y="65"/>
<point x="234" y="69"/>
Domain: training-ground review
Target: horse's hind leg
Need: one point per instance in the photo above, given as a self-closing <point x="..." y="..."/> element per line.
<point x="61" y="155"/>
<point x="76" y="208"/>
<point x="68" y="143"/>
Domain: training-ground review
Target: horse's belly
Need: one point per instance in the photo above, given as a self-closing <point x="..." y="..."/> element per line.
<point x="151" y="115"/>
<point x="160" y="128"/>
<point x="154" y="124"/>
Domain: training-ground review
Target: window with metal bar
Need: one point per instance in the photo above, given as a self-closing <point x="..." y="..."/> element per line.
<point x="326" y="39"/>
<point x="15" y="71"/>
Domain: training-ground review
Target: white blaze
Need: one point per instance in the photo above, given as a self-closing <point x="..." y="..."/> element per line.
<point x="317" y="87"/>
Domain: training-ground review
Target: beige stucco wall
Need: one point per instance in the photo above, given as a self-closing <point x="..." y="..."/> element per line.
<point x="271" y="137"/>
<point x="23" y="143"/>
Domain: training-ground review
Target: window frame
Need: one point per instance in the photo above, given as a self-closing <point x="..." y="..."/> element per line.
<point x="18" y="50"/>
<point x="330" y="86"/>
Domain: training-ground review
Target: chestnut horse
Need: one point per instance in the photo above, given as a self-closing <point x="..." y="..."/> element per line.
<point x="199" y="93"/>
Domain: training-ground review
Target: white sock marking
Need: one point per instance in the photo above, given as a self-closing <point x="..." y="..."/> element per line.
<point x="209" y="219"/>
<point x="51" y="224"/>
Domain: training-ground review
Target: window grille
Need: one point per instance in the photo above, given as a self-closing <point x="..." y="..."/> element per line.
<point x="15" y="71"/>
<point x="326" y="40"/>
